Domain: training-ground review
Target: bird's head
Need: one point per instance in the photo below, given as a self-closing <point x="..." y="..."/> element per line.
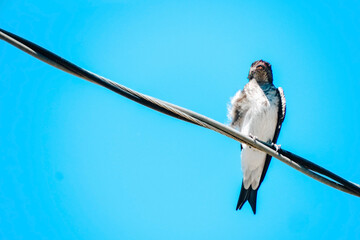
<point x="261" y="71"/>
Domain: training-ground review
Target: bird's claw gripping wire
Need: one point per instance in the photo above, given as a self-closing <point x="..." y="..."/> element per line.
<point x="255" y="138"/>
<point x="276" y="146"/>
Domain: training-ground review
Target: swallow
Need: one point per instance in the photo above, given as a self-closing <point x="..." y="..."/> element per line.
<point x="258" y="110"/>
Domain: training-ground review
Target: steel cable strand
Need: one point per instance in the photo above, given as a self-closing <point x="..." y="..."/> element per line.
<point x="300" y="164"/>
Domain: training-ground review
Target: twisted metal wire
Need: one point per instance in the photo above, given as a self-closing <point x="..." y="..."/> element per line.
<point x="305" y="166"/>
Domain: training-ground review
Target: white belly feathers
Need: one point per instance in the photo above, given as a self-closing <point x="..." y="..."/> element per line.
<point x="260" y="121"/>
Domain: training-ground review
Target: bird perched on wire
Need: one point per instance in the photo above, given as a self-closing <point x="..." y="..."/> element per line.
<point x="258" y="110"/>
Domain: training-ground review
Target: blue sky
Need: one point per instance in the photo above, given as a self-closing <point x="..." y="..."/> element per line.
<point x="80" y="162"/>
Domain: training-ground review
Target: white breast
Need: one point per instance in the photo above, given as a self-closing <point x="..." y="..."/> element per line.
<point x="260" y="121"/>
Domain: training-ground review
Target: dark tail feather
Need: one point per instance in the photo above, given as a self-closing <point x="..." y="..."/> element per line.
<point x="247" y="195"/>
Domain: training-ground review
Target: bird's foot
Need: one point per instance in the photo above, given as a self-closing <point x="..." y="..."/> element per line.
<point x="276" y="146"/>
<point x="253" y="137"/>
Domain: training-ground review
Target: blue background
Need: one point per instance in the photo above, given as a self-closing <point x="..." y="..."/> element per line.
<point x="80" y="162"/>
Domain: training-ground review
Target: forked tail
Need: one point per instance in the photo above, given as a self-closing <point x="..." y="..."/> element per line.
<point x="247" y="195"/>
